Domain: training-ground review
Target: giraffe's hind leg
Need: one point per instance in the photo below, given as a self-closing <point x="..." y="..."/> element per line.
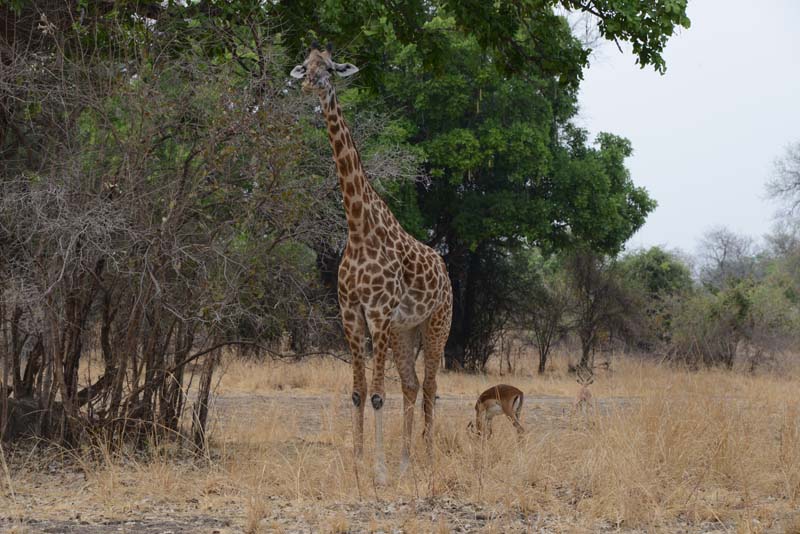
<point x="404" y="350"/>
<point x="434" y="337"/>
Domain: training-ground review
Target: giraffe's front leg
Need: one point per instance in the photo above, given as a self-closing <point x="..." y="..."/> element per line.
<point x="380" y="346"/>
<point x="355" y="332"/>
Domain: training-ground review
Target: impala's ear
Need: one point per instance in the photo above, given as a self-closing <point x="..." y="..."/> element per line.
<point x="298" y="72"/>
<point x="345" y="69"/>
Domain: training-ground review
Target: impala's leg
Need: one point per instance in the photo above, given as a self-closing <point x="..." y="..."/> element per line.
<point x="404" y="358"/>
<point x="355" y="332"/>
<point x="380" y="346"/>
<point x="517" y="413"/>
<point x="480" y="423"/>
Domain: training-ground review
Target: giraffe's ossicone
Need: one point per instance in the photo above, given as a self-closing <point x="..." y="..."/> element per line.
<point x="389" y="283"/>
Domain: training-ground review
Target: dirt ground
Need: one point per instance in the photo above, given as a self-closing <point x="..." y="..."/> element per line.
<point x="60" y="496"/>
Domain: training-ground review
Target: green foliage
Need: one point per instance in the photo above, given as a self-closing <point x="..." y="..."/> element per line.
<point x="663" y="279"/>
<point x="498" y="170"/>
<point x="646" y="24"/>
<point x="479" y="96"/>
<point x="524" y="38"/>
<point x="659" y="272"/>
<point x="750" y="320"/>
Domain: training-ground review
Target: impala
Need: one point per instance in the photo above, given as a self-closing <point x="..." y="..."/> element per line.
<point x="498" y="399"/>
<point x="584" y="397"/>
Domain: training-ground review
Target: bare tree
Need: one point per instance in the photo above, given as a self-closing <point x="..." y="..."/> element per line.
<point x="785" y="182"/>
<point x="726" y="256"/>
<point x="540" y="304"/>
<point x="155" y="207"/>
<point x="602" y="304"/>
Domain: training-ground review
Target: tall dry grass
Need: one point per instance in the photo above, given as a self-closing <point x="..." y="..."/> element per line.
<point x="663" y="446"/>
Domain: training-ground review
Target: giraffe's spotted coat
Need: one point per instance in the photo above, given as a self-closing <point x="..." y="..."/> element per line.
<point x="389" y="282"/>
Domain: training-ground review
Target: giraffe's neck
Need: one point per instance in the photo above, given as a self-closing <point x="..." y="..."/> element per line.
<point x="359" y="198"/>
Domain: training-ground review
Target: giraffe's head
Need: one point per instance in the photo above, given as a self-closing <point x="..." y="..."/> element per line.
<point x="317" y="68"/>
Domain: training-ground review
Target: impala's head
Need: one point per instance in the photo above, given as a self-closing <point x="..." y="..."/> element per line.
<point x="316" y="70"/>
<point x="585" y="376"/>
<point x="476" y="427"/>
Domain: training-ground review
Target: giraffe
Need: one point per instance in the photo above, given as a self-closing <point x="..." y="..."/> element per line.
<point x="389" y="283"/>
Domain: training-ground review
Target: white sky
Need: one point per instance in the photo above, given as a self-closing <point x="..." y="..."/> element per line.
<point x="705" y="135"/>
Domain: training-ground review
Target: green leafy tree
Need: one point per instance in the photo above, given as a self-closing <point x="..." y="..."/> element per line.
<point x="748" y="321"/>
<point x="662" y="277"/>
<point x="507" y="169"/>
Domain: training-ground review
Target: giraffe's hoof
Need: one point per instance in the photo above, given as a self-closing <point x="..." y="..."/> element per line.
<point x="381" y="475"/>
<point x="356" y="399"/>
<point x="404" y="463"/>
<point x="377" y="401"/>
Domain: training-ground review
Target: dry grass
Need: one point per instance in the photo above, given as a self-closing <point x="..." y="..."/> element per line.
<point x="665" y="449"/>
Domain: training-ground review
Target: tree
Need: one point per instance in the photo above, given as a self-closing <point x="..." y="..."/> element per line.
<point x="662" y="277"/>
<point x="163" y="194"/>
<point x="159" y="203"/>
<point x="726" y="257"/>
<point x="746" y="319"/>
<point x="602" y="302"/>
<point x="785" y="182"/>
<point x="507" y="169"/>
<point x="541" y="301"/>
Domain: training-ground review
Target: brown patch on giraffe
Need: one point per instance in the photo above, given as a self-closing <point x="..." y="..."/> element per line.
<point x="367" y="226"/>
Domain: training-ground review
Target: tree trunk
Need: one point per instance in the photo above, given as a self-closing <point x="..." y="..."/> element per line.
<point x="201" y="406"/>
<point x="586" y="351"/>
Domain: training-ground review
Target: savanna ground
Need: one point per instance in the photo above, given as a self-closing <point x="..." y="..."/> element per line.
<point x="664" y="450"/>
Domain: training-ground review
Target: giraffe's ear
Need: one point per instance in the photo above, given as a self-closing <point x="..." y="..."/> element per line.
<point x="345" y="69"/>
<point x="298" y="72"/>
